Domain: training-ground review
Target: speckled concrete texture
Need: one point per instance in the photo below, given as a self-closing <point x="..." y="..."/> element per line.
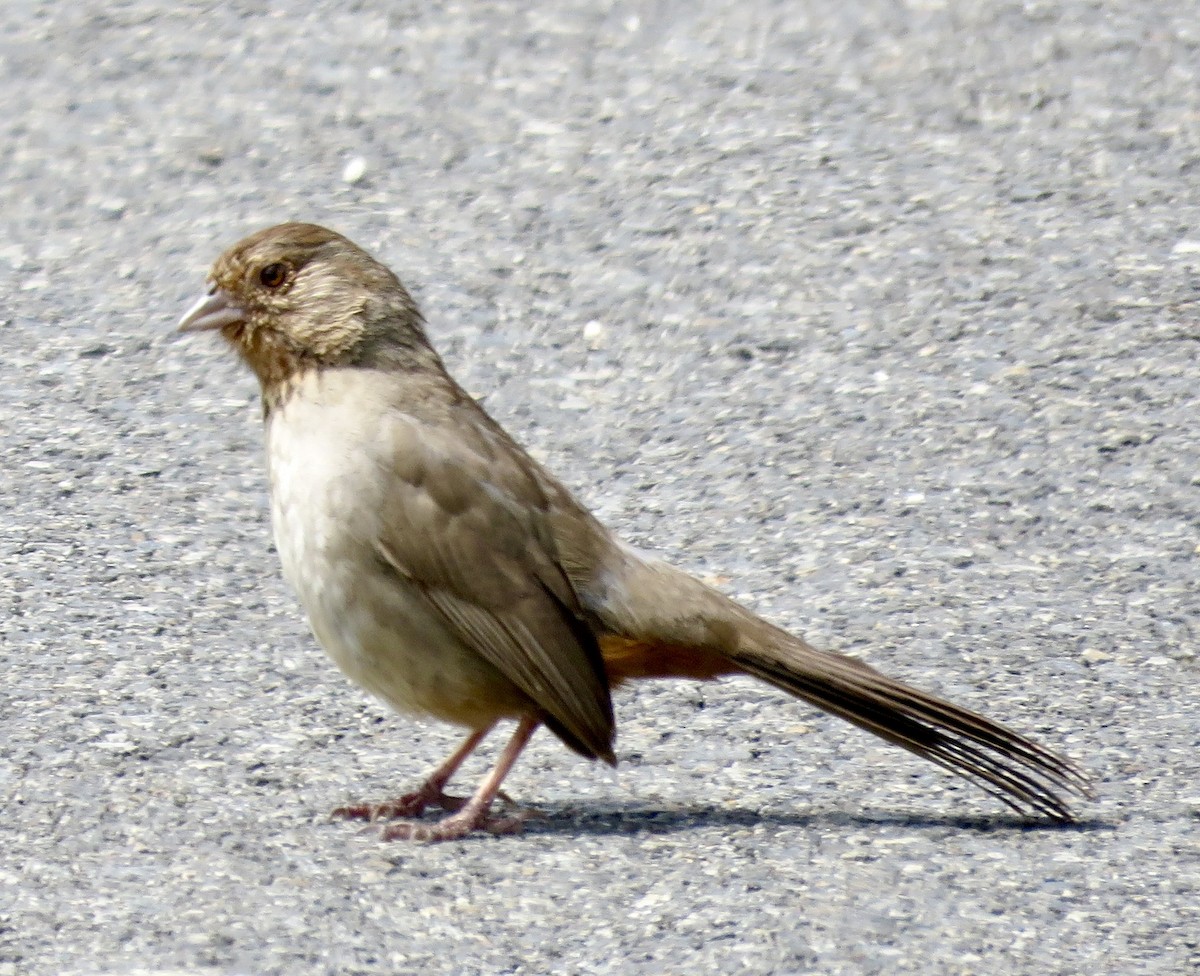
<point x="880" y="314"/>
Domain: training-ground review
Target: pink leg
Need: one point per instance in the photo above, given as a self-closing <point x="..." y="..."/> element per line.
<point x="474" y="815"/>
<point x="429" y="793"/>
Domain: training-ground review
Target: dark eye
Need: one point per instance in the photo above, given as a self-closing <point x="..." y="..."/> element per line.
<point x="273" y="275"/>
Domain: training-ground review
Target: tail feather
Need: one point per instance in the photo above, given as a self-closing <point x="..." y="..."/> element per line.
<point x="661" y="623"/>
<point x="1016" y="770"/>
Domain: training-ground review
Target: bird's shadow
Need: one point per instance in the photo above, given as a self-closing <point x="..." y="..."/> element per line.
<point x="608" y="821"/>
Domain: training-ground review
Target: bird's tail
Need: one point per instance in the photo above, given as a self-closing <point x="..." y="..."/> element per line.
<point x="1016" y="770"/>
<point x="686" y="629"/>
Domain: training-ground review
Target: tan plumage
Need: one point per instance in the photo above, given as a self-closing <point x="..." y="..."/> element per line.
<point x="448" y="573"/>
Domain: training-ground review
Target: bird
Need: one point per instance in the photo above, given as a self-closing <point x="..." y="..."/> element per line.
<point x="448" y="573"/>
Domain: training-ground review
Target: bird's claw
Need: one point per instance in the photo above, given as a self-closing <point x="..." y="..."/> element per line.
<point x="455" y="827"/>
<point x="409" y="805"/>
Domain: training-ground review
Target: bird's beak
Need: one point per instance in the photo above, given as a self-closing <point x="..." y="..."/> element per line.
<point x="215" y="310"/>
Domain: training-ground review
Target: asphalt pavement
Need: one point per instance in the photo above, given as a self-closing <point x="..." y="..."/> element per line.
<point x="883" y="316"/>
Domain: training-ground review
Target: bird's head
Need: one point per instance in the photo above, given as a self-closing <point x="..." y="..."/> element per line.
<point x="297" y="296"/>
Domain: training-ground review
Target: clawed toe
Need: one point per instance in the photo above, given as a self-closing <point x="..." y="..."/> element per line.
<point x="409" y="805"/>
<point x="458" y="825"/>
<point x="355" y="811"/>
<point x="452" y="828"/>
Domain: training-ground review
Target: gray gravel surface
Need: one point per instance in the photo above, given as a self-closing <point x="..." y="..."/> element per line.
<point x="883" y="315"/>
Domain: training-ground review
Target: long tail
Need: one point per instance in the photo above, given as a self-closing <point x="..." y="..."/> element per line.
<point x="678" y="627"/>
<point x="1016" y="770"/>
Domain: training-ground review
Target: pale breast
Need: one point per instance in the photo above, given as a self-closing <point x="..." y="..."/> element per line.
<point x="328" y="488"/>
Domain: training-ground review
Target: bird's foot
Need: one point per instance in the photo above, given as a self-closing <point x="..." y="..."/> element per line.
<point x="458" y="825"/>
<point x="411" y="805"/>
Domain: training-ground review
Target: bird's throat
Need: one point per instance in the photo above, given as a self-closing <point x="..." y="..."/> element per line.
<point x="276" y="363"/>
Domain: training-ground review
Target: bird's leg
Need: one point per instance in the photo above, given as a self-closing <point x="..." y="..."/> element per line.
<point x="474" y="814"/>
<point x="429" y="793"/>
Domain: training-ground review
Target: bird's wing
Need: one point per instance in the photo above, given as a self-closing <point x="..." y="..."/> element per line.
<point x="467" y="526"/>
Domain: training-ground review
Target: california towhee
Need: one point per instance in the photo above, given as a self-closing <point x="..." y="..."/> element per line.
<point x="448" y="573"/>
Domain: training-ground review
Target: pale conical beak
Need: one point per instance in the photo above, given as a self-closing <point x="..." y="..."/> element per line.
<point x="215" y="310"/>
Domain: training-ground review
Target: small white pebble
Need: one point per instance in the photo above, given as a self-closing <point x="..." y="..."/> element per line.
<point x="1091" y="656"/>
<point x="113" y="208"/>
<point x="593" y="334"/>
<point x="355" y="170"/>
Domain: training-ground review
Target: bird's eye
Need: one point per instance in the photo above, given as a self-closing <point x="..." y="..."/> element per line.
<point x="273" y="275"/>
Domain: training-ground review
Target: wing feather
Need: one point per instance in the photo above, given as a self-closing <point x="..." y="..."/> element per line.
<point x="468" y="528"/>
